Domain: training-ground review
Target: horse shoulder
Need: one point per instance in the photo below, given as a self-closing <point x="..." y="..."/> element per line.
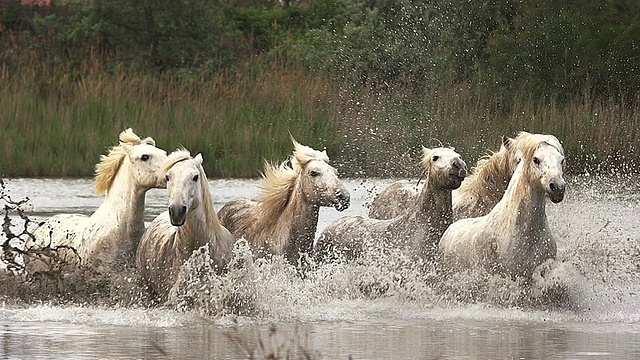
<point x="464" y="241"/>
<point x="236" y="216"/>
<point x="393" y="200"/>
<point x="59" y="230"/>
<point x="343" y="236"/>
<point x="222" y="246"/>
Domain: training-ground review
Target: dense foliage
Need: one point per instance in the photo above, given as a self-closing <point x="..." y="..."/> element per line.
<point x="555" y="47"/>
<point x="346" y="74"/>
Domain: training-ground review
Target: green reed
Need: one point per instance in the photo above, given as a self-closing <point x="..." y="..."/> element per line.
<point x="57" y="120"/>
<point x="58" y="124"/>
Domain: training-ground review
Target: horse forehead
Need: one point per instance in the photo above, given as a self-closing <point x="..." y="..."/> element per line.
<point x="320" y="165"/>
<point x="185" y="168"/>
<point x="148" y="149"/>
<point x="445" y="153"/>
<point x="549" y="150"/>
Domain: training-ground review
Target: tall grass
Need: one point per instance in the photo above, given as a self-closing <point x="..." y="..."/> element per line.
<point x="56" y="118"/>
<point x="383" y="130"/>
<point x="56" y="122"/>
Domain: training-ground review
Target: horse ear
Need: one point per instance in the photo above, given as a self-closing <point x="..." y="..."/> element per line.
<point x="128" y="148"/>
<point x="425" y="151"/>
<point x="295" y="143"/>
<point x="149" y="141"/>
<point x="507" y="142"/>
<point x="198" y="159"/>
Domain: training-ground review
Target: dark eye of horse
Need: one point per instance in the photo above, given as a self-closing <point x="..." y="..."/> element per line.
<point x="195" y="178"/>
<point x="166" y="178"/>
<point x="435" y="158"/>
<point x="536" y="161"/>
<point x="314" y="173"/>
<point x="144" y="157"/>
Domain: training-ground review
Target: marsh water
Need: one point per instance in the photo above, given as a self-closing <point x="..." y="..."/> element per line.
<point x="329" y="314"/>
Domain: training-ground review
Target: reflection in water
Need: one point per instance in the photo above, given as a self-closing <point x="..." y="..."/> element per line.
<point x="599" y="252"/>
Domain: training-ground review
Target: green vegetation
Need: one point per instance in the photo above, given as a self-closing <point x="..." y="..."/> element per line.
<point x="370" y="80"/>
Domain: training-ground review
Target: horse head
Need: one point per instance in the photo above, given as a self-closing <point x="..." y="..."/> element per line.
<point x="146" y="162"/>
<point x="139" y="159"/>
<point x="184" y="177"/>
<point x="318" y="180"/>
<point x="544" y="156"/>
<point x="444" y="167"/>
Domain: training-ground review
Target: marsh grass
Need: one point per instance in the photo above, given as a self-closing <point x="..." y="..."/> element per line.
<point x="383" y="131"/>
<point x="57" y="117"/>
<point x="56" y="122"/>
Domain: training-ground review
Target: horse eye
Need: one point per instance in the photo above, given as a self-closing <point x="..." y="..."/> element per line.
<point x="435" y="158"/>
<point x="166" y="178"/>
<point x="144" y="157"/>
<point x="536" y="161"/>
<point x="195" y="178"/>
<point x="314" y="173"/>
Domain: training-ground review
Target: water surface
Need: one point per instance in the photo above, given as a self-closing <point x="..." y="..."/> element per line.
<point x="328" y="314"/>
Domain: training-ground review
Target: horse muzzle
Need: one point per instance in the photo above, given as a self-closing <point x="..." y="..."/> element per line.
<point x="343" y="200"/>
<point x="177" y="214"/>
<point x="457" y="173"/>
<point x="556" y="191"/>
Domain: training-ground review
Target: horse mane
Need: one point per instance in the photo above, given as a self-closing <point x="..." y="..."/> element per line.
<point x="303" y="154"/>
<point x="211" y="216"/>
<point x="491" y="167"/>
<point x="107" y="168"/>
<point x="277" y="187"/>
<point x="525" y="141"/>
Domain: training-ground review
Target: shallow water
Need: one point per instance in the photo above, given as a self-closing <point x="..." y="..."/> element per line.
<point x="599" y="259"/>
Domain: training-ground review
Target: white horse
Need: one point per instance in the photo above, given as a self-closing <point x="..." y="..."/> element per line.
<point x="477" y="195"/>
<point x="110" y="235"/>
<point x="417" y="230"/>
<point x="189" y="223"/>
<point x="284" y="216"/>
<point x="514" y="237"/>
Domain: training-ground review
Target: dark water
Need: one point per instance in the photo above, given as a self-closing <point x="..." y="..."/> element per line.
<point x="329" y="315"/>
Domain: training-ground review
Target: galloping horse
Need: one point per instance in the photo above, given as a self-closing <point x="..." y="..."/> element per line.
<point x="417" y="229"/>
<point x="189" y="223"/>
<point x="514" y="237"/>
<point x="284" y="216"/>
<point x="111" y="234"/>
<point x="477" y="195"/>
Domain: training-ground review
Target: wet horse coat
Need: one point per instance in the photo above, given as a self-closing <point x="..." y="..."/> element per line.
<point x="111" y="234"/>
<point x="284" y="216"/>
<point x="514" y="237"/>
<point x="417" y="230"/>
<point x="189" y="223"/>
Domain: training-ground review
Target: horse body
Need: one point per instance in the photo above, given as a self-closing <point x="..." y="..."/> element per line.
<point x="417" y="230"/>
<point x="189" y="223"/>
<point x="111" y="234"/>
<point x="284" y="217"/>
<point x="514" y="237"/>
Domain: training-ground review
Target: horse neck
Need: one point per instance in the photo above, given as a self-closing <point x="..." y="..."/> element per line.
<point x="124" y="202"/>
<point x="434" y="206"/>
<point x="195" y="231"/>
<point x="526" y="208"/>
<point x="303" y="222"/>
